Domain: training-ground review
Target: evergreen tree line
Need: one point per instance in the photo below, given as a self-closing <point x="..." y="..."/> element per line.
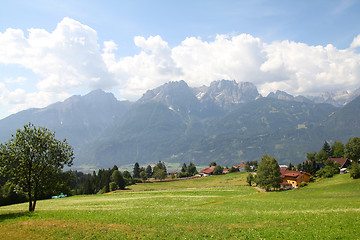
<point x="318" y="163"/>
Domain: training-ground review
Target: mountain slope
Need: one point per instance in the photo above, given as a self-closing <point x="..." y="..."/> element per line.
<point x="227" y="122"/>
<point x="78" y="118"/>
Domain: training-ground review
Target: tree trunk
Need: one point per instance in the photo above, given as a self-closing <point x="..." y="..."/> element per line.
<point x="34" y="204"/>
<point x="30" y="203"/>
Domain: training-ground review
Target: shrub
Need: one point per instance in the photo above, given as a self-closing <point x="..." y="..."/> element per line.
<point x="327" y="172"/>
<point x="355" y="170"/>
<point x="113" y="186"/>
<point x="303" y="184"/>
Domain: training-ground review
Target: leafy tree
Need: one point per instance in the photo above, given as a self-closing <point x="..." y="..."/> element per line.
<point x="136" y="170"/>
<point x="311" y="156"/>
<point x="149" y="171"/>
<point x="290" y="167"/>
<point x="327" y="172"/>
<point x="247" y="168"/>
<point x="160" y="174"/>
<point x="300" y="167"/>
<point x="118" y="179"/>
<point x="191" y="169"/>
<point x="218" y="170"/>
<point x="337" y="150"/>
<point x="250" y="179"/>
<point x="160" y="166"/>
<point x="321" y="157"/>
<point x="183" y="168"/>
<point x="143" y="175"/>
<point x="34" y="159"/>
<point x="352" y="149"/>
<point x="355" y="170"/>
<point x="326" y="147"/>
<point x="233" y="169"/>
<point x="268" y="173"/>
<point x="113" y="186"/>
<point x="126" y="174"/>
<point x="212" y="164"/>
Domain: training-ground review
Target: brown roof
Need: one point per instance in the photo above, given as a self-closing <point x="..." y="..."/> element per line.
<point x="290" y="173"/>
<point x="341" y="161"/>
<point x="208" y="170"/>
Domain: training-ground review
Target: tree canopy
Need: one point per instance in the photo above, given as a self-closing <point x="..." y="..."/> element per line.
<point x="352" y="149"/>
<point x="34" y="158"/>
<point x="268" y="173"/>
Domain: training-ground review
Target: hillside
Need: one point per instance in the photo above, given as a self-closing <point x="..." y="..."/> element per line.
<point x="226" y="122"/>
<point x="78" y="118"/>
<point x="322" y="210"/>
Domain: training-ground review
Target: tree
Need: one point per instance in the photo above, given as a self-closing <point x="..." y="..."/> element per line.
<point x="136" y="170"/>
<point x="355" y="170"/>
<point x="326" y="147"/>
<point x="311" y="156"/>
<point x="149" y="171"/>
<point x="118" y="179"/>
<point x="218" y="170"/>
<point x="212" y="164"/>
<point x="34" y="159"/>
<point x="183" y="168"/>
<point x="290" y="167"/>
<point x="159" y="166"/>
<point x="321" y="157"/>
<point x="337" y="150"/>
<point x="250" y="179"/>
<point x="352" y="149"/>
<point x="160" y="174"/>
<point x="327" y="172"/>
<point x="268" y="173"/>
<point x="191" y="169"/>
<point x="143" y="175"/>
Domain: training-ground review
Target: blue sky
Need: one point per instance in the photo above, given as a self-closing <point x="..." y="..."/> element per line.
<point x="127" y="47"/>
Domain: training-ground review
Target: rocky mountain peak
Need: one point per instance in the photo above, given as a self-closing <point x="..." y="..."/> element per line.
<point x="226" y="94"/>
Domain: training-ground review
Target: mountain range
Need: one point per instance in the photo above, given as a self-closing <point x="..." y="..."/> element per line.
<point x="226" y="122"/>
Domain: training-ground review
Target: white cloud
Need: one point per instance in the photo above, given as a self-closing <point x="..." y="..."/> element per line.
<point x="150" y="68"/>
<point x="70" y="58"/>
<point x="19" y="80"/>
<point x="356" y="42"/>
<point x="66" y="58"/>
<point x="21" y="100"/>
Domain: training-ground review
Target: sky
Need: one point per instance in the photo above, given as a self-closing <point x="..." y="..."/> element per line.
<point x="51" y="50"/>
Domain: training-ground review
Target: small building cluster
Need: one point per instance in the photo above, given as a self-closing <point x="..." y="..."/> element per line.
<point x="292" y="179"/>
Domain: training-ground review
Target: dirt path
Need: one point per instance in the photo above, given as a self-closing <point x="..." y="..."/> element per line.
<point x="259" y="189"/>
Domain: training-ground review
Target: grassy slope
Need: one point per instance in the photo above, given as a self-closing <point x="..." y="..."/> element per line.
<point x="324" y="210"/>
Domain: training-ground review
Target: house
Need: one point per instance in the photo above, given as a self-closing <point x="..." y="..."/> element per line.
<point x="343" y="162"/>
<point x="294" y="177"/>
<point x="241" y="167"/>
<point x="225" y="171"/>
<point x="170" y="174"/>
<point x="207" y="171"/>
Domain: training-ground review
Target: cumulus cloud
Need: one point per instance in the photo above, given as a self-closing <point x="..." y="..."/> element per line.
<point x="20" y="99"/>
<point x="356" y="42"/>
<point x="66" y="58"/>
<point x="71" y="57"/>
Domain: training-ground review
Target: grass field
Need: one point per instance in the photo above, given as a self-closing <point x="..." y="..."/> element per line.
<point x="214" y="207"/>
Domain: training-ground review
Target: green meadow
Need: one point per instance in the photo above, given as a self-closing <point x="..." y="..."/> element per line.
<point x="219" y="207"/>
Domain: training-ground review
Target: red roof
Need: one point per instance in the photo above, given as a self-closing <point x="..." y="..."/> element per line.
<point x="290" y="173"/>
<point x="341" y="161"/>
<point x="208" y="170"/>
<point x="225" y="170"/>
<point x="240" y="165"/>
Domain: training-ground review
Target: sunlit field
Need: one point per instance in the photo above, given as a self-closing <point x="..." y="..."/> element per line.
<point x="198" y="209"/>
